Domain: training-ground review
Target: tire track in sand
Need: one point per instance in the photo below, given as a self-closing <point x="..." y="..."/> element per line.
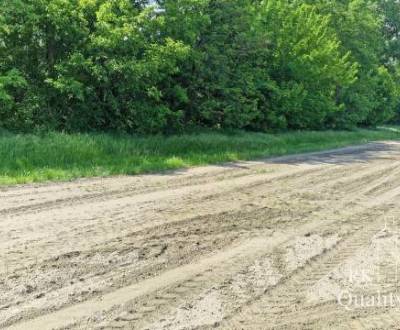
<point x="336" y="206"/>
<point x="181" y="274"/>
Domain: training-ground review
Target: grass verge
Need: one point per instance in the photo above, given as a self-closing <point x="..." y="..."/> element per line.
<point x="26" y="158"/>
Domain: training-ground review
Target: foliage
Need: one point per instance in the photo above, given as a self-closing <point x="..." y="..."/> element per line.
<point x="27" y="158"/>
<point x="305" y="64"/>
<point x="142" y="66"/>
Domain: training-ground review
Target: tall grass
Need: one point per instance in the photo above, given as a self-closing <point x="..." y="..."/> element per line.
<point x="26" y="158"/>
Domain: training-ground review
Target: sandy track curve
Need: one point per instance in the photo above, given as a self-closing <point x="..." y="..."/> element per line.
<point x="250" y="245"/>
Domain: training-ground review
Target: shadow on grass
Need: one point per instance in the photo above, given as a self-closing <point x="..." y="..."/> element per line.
<point x="26" y="158"/>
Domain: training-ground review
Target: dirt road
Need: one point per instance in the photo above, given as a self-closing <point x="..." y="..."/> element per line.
<point x="304" y="242"/>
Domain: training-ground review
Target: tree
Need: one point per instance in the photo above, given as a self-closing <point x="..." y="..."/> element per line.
<point x="305" y="63"/>
<point x="142" y="66"/>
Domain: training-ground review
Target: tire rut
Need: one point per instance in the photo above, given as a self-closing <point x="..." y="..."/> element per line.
<point x="199" y="239"/>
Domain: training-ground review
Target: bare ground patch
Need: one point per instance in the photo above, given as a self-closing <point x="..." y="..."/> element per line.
<point x="267" y="244"/>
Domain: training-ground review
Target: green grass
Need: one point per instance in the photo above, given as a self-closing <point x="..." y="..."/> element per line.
<point x="26" y="158"/>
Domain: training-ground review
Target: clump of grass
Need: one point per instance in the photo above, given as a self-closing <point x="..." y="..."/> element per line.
<point x="27" y="158"/>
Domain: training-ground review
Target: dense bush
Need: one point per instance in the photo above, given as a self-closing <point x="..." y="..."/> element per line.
<point x="161" y="66"/>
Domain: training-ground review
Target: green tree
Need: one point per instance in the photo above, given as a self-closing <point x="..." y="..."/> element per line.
<point x="360" y="26"/>
<point x="144" y="66"/>
<point x="304" y="59"/>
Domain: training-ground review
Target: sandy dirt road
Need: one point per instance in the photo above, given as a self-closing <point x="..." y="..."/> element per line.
<point x="302" y="242"/>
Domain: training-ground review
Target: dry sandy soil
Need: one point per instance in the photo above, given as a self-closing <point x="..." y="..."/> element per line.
<point x="304" y="242"/>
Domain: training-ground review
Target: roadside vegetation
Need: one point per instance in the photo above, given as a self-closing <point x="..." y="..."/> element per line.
<point x="106" y="72"/>
<point x="27" y="158"/>
<point x="146" y="67"/>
